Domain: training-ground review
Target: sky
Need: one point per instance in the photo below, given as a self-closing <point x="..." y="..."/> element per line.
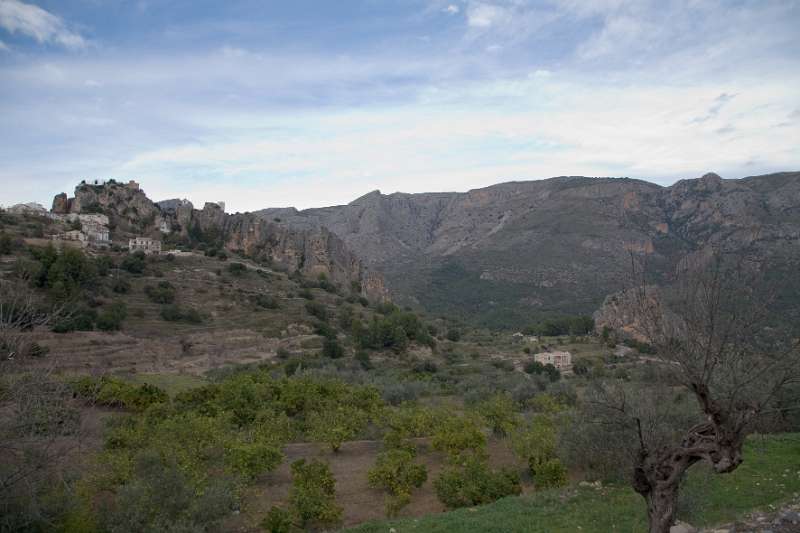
<point x="263" y="103"/>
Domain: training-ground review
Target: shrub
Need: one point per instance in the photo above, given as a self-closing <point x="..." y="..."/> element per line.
<point x="500" y="412"/>
<point x="332" y="349"/>
<point x="363" y="359"/>
<point x="475" y="483"/>
<point x="265" y="301"/>
<point x="112" y="317"/>
<point x="396" y="473"/>
<point x="173" y="313"/>
<point x="335" y="424"/>
<point x="113" y="392"/>
<point x="318" y="310"/>
<point x="453" y="335"/>
<point x="581" y="367"/>
<point x="533" y="367"/>
<point x="162" y="497"/>
<point x="459" y="437"/>
<point x="237" y="269"/>
<point x="163" y="293"/>
<point x="121" y="285"/>
<point x="278" y="520"/>
<point x="553" y="374"/>
<point x="550" y="474"/>
<point x="312" y="498"/>
<point x="253" y="458"/>
<point x="134" y="263"/>
<point x="306" y="293"/>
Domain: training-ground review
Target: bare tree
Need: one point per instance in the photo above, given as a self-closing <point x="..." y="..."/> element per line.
<point x="39" y="419"/>
<point x="714" y="334"/>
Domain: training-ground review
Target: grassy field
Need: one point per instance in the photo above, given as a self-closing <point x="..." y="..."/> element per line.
<point x="769" y="475"/>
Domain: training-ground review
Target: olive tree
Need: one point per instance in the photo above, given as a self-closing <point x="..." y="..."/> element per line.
<point x="718" y="341"/>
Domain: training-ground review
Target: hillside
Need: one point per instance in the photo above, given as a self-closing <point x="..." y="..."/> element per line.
<point x="131" y="213"/>
<point x="505" y="254"/>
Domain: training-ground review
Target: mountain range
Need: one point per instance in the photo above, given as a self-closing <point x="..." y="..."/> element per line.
<point x="511" y="253"/>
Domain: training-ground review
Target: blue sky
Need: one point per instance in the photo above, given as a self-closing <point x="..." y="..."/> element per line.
<point x="311" y="103"/>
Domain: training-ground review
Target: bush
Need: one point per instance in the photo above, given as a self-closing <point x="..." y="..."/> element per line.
<point x="453" y="335"/>
<point x="252" y="458"/>
<point x="317" y="310"/>
<point x="306" y="293"/>
<point x="475" y="483"/>
<point x="278" y="520"/>
<point x="112" y="317"/>
<point x="500" y="412"/>
<point x="533" y="367"/>
<point x="363" y="359"/>
<point x="335" y="424"/>
<point x="173" y="313"/>
<point x="550" y="474"/>
<point x="121" y="285"/>
<point x="134" y="263"/>
<point x="163" y="293"/>
<point x="581" y="367"/>
<point x="237" y="269"/>
<point x="265" y="301"/>
<point x="113" y="392"/>
<point x="459" y="437"/>
<point x="332" y="349"/>
<point x="396" y="473"/>
<point x="312" y="498"/>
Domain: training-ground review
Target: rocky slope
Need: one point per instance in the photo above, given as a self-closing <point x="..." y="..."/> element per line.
<point x="510" y="252"/>
<point x="312" y="251"/>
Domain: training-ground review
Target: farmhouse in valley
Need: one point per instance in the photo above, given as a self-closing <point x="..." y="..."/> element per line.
<point x="560" y="360"/>
<point x="144" y="244"/>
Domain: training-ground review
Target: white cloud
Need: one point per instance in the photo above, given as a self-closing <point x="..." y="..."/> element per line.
<point x="483" y="15"/>
<point x="37" y="23"/>
<point x="452" y="9"/>
<point x="3" y="46"/>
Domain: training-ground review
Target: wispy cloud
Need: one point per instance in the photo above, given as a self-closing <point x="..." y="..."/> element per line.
<point x="716" y="106"/>
<point x="37" y="23"/>
<point x="282" y="109"/>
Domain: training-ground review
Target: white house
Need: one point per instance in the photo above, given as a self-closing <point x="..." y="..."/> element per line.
<point x="144" y="244"/>
<point x="560" y="360"/>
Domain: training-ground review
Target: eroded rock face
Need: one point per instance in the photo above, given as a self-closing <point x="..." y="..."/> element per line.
<point x="312" y="251"/>
<point x="60" y="204"/>
<point x="564" y="243"/>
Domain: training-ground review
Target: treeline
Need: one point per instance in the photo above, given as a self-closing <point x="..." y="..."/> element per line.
<point x="391" y="328"/>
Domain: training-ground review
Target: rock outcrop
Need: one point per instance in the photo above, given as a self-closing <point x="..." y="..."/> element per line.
<point x="311" y="251"/>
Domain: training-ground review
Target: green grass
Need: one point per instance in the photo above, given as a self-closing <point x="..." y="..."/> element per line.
<point x="769" y="476"/>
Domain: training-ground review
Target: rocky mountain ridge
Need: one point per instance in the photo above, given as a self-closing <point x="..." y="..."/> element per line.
<point x="312" y="251"/>
<point x="512" y="251"/>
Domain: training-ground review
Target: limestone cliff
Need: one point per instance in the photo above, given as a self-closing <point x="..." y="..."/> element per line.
<point x="311" y="251"/>
<point x="508" y="253"/>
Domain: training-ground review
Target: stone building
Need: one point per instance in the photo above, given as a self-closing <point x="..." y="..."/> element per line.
<point x="560" y="360"/>
<point x="144" y="244"/>
<point x="96" y="233"/>
<point x="75" y="235"/>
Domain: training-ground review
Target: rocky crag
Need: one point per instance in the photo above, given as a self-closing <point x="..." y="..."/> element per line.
<point x="508" y="253"/>
<point x="311" y="251"/>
